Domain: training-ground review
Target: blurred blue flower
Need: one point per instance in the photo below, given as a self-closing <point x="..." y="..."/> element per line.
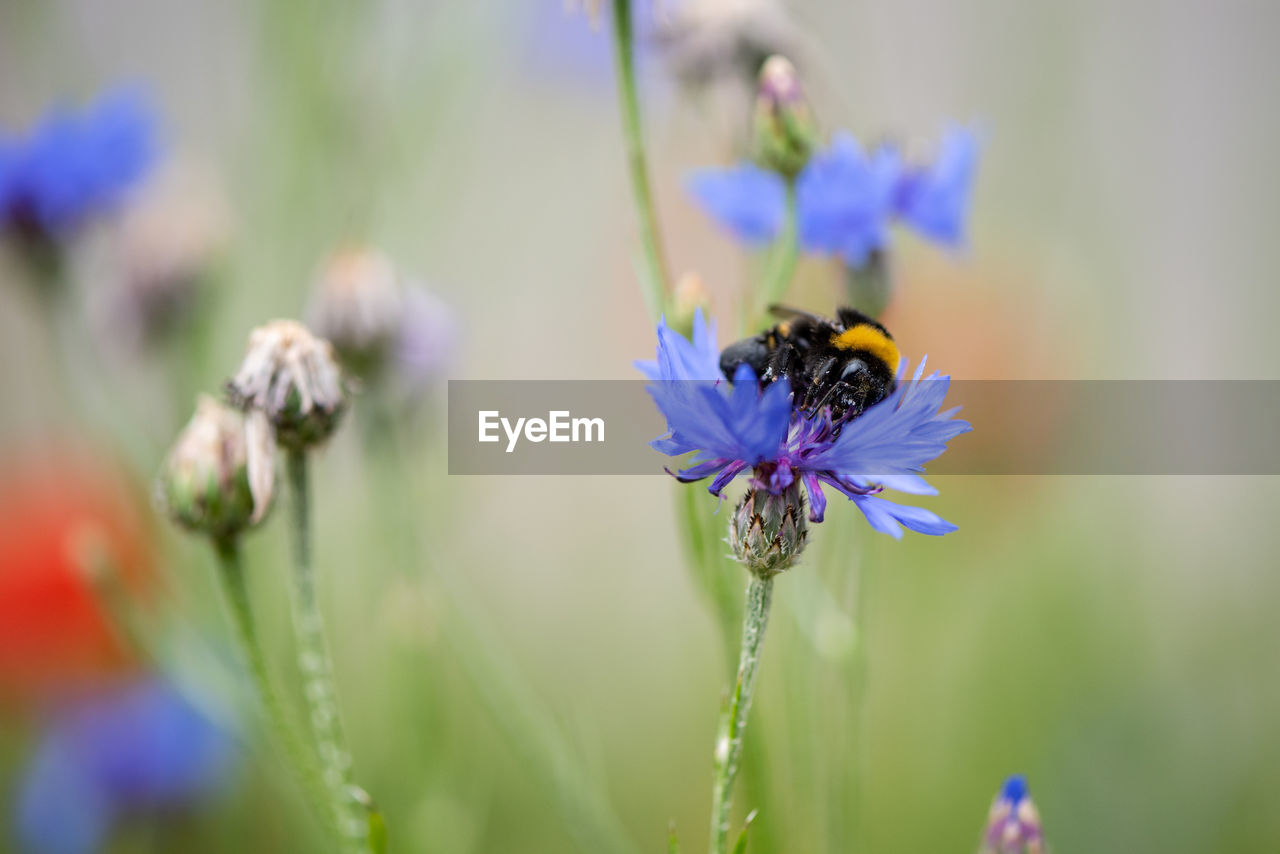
<point x="844" y="199"/>
<point x="745" y="199"/>
<point x="138" y="748"/>
<point x="75" y="164"/>
<point x="1014" y="789"/>
<point x="934" y="199"/>
<point x="8" y="159"/>
<point x="733" y="427"/>
<point x="1013" y="825"/>
<point x="847" y="197"/>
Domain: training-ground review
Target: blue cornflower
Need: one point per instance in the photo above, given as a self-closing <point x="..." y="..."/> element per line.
<point x="75" y="164"/>
<point x="735" y="427"/>
<point x="747" y="200"/>
<point x="139" y="748"/>
<point x="844" y="198"/>
<point x="847" y="197"/>
<point x="934" y="199"/>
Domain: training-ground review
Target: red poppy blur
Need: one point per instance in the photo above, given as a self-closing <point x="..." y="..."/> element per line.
<point x="61" y="519"/>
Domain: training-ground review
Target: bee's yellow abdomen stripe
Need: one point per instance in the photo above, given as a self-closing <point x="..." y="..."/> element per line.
<point x="870" y="340"/>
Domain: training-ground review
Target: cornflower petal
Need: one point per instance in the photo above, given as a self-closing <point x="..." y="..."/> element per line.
<point x="934" y="199"/>
<point x="844" y="199"/>
<point x="746" y="200"/>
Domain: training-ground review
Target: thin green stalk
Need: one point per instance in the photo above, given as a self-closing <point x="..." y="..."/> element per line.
<point x="713" y="570"/>
<point x="869" y="287"/>
<point x="733" y="723"/>
<point x="317" y="671"/>
<point x="655" y="281"/>
<point x="782" y="262"/>
<point x="858" y="713"/>
<point x="298" y="755"/>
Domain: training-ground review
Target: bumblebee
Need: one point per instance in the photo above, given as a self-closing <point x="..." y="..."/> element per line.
<point x="846" y="364"/>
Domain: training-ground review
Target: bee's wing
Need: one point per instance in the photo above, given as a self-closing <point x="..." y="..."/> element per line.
<point x="785" y="312"/>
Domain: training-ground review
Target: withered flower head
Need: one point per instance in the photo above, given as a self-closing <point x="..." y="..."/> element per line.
<point x="206" y="483"/>
<point x="165" y="244"/>
<point x="290" y="378"/>
<point x="358" y="307"/>
<point x="706" y="41"/>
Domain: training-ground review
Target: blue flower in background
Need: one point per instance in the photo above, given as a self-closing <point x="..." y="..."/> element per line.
<point x="934" y="199"/>
<point x="847" y="197"/>
<point x="8" y="157"/>
<point x="747" y="200"/>
<point x="139" y="748"/>
<point x="73" y="165"/>
<point x="1013" y="825"/>
<point x="844" y="199"/>
<point x="735" y="427"/>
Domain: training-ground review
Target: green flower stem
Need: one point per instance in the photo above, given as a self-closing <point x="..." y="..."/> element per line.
<point x="317" y="671"/>
<point x="297" y="753"/>
<point x="858" y="684"/>
<point x="713" y="570"/>
<point x="655" y="280"/>
<point x="870" y="286"/>
<point x="782" y="262"/>
<point x="734" y="722"/>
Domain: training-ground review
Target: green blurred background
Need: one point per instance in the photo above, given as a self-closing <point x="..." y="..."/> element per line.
<point x="1113" y="638"/>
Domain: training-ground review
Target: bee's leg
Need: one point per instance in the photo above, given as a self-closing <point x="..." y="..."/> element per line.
<point x="784" y="361"/>
<point x="852" y="393"/>
<point x="818" y="384"/>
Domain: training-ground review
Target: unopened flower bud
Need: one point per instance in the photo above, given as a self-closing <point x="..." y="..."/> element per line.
<point x="785" y="131"/>
<point x="356" y="305"/>
<point x="690" y="295"/>
<point x="290" y="377"/>
<point x="1013" y="825"/>
<point x="205" y="483"/>
<point x="767" y="532"/>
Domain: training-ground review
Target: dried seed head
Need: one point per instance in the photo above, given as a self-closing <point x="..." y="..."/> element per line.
<point x="357" y="306"/>
<point x="205" y="484"/>
<point x="709" y="41"/>
<point x="785" y="130"/>
<point x="290" y="377"/>
<point x="165" y="243"/>
<point x="767" y="531"/>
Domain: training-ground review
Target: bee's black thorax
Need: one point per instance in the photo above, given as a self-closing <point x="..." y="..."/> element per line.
<point x="843" y="365"/>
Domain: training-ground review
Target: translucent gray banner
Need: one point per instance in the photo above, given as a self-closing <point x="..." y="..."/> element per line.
<point x="1020" y="427"/>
